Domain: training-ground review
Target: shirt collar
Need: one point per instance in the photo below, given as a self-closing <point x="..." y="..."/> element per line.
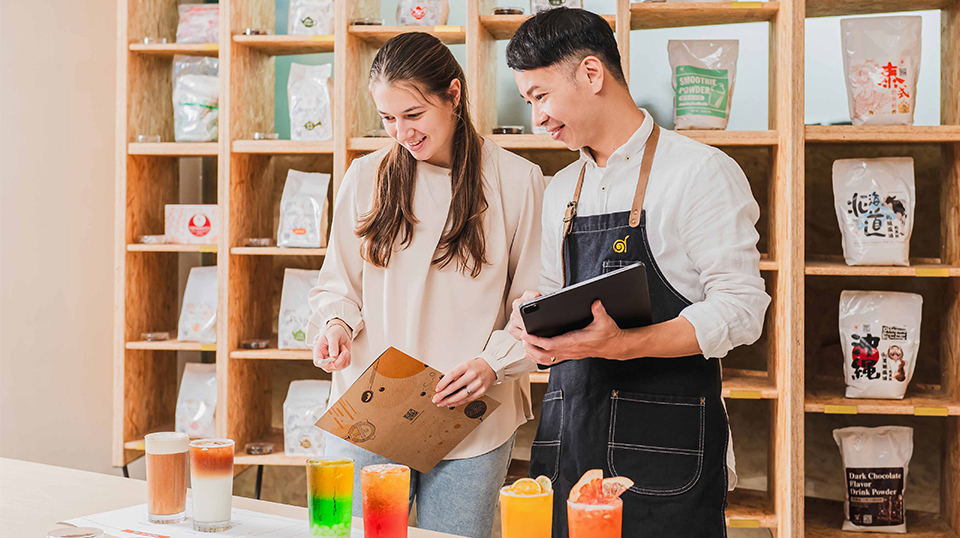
<point x="631" y="148"/>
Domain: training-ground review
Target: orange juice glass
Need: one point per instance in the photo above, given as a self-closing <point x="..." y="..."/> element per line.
<point x="526" y="516"/>
<point x="603" y="520"/>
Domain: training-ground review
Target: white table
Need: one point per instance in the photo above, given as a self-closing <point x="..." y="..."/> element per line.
<point x="34" y="497"/>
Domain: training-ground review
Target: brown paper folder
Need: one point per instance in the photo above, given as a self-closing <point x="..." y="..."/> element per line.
<point x="389" y="411"/>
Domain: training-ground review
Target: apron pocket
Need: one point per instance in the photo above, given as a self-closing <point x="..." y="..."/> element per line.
<point x="545" y="455"/>
<point x="612" y="265"/>
<point x="656" y="441"/>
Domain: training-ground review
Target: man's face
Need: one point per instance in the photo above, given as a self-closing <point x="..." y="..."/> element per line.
<point x="560" y="101"/>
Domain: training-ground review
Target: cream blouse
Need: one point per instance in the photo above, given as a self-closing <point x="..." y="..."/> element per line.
<point x="442" y="317"/>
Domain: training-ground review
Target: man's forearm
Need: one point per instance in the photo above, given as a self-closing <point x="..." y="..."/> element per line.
<point x="674" y="338"/>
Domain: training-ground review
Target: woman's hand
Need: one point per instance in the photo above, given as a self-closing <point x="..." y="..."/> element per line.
<point x="465" y="383"/>
<point x="334" y="344"/>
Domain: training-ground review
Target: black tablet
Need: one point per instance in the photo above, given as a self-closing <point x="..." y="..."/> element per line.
<point x="623" y="293"/>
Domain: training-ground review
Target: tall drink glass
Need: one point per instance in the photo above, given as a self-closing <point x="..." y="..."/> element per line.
<point x="526" y="515"/>
<point x="211" y="477"/>
<point x="330" y="496"/>
<point x="166" y="476"/>
<point x="386" y="497"/>
<point x="587" y="520"/>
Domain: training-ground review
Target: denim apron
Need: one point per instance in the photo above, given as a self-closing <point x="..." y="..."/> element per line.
<point x="657" y="421"/>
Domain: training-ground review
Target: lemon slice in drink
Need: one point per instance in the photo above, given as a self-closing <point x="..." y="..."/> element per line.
<point x="545" y="485"/>
<point x="526" y="486"/>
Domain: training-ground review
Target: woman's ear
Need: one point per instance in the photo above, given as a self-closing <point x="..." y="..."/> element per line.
<point x="454" y="92"/>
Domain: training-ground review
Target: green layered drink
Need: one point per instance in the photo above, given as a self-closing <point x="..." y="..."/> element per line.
<point x="330" y="496"/>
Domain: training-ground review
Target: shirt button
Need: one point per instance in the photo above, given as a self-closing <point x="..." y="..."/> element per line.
<point x="627" y="157"/>
<point x="603" y="188"/>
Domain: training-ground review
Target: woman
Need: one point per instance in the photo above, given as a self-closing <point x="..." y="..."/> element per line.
<point x="432" y="239"/>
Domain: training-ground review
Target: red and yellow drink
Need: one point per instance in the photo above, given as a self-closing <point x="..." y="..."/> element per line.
<point x="386" y="496"/>
<point x="526" y="508"/>
<point x="330" y="497"/>
<point x="594" y="509"/>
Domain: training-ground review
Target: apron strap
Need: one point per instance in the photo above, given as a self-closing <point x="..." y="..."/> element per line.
<point x="649" y="149"/>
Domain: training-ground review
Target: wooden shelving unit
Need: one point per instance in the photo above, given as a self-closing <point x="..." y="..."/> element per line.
<point x="251" y="175"/>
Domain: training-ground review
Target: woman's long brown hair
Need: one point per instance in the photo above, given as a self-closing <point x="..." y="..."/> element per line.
<point x="425" y="63"/>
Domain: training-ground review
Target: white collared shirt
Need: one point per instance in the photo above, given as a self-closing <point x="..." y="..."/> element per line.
<point x="701" y="225"/>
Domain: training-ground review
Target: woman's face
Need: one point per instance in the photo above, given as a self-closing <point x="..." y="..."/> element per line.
<point x="424" y="126"/>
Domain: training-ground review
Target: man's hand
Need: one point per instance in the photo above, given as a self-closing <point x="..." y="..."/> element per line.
<point x="465" y="383"/>
<point x="602" y="338"/>
<point x="515" y="325"/>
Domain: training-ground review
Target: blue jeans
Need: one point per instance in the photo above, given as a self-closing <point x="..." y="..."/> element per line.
<point x="456" y="497"/>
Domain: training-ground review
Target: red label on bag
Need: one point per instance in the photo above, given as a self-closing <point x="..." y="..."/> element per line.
<point x="199" y="225"/>
<point x="418" y="12"/>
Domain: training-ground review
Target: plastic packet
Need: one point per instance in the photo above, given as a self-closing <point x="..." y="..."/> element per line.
<point x="880" y="333"/>
<point x="308" y="93"/>
<point x="198" y="316"/>
<point x="301" y="210"/>
<point x="875" y="465"/>
<point x="881" y="61"/>
<point x="199" y="23"/>
<point x="310" y="17"/>
<point x="197" y="401"/>
<point x="704" y="73"/>
<point x="295" y="308"/>
<point x="422" y="12"/>
<point x="874" y="200"/>
<point x="305" y="403"/>
<point x="196" y="96"/>
<point x="536" y="6"/>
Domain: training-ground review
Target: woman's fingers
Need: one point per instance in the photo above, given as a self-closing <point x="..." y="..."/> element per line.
<point x="320" y="352"/>
<point x="454" y="386"/>
<point x="450" y="376"/>
<point x="462" y="397"/>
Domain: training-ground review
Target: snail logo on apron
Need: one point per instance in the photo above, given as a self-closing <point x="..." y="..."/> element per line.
<point x="620" y="245"/>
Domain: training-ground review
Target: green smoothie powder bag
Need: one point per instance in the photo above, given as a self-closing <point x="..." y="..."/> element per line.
<point x="704" y="73"/>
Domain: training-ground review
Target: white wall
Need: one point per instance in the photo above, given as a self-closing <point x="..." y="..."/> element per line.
<point x="57" y="94"/>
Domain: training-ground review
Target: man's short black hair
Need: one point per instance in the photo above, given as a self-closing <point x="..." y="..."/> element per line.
<point x="563" y="34"/>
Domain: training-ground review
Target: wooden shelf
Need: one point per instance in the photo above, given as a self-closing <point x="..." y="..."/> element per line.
<point x="378" y="35"/>
<point x="748" y="508"/>
<point x="272" y="353"/>
<point x="882" y="134"/>
<point x="139" y="247"/>
<point x="919" y="267"/>
<point x="283" y="147"/>
<point x="280" y="45"/>
<point x="737" y="384"/>
<point x="277" y="251"/>
<point x="170" y="345"/>
<point x="922" y="400"/>
<point x="277" y="458"/>
<point x="502" y="27"/>
<point x="174" y="149"/>
<point x="646" y="16"/>
<point x="836" y="8"/>
<point x="824" y="519"/>
<point x="174" y="49"/>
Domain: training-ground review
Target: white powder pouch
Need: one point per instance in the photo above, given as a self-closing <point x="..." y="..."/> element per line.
<point x="704" y="72"/>
<point x="308" y="94"/>
<point x="295" y="309"/>
<point x="196" y="98"/>
<point x="422" y="12"/>
<point x="199" y="23"/>
<point x="875" y="464"/>
<point x="197" y="400"/>
<point x="301" y="210"/>
<point x="880" y="332"/>
<point x="198" y="316"/>
<point x="310" y="17"/>
<point x="881" y="60"/>
<point x="536" y="6"/>
<point x="875" y="200"/>
<point x="305" y="404"/>
<point x="191" y="224"/>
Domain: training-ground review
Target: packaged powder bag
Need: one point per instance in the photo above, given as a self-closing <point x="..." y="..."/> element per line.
<point x="301" y="210"/>
<point x="199" y="23"/>
<point x="536" y="6"/>
<point x="191" y="224"/>
<point x="305" y="404"/>
<point x="197" y="400"/>
<point x="196" y="97"/>
<point x="881" y="60"/>
<point x="422" y="12"/>
<point x="875" y="200"/>
<point x="295" y="309"/>
<point x="875" y="464"/>
<point x="704" y="73"/>
<point x="198" y="316"/>
<point x="310" y="17"/>
<point x="308" y="93"/>
<point x="880" y="333"/>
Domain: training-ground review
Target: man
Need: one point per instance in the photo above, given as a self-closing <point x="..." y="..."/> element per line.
<point x="649" y="408"/>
